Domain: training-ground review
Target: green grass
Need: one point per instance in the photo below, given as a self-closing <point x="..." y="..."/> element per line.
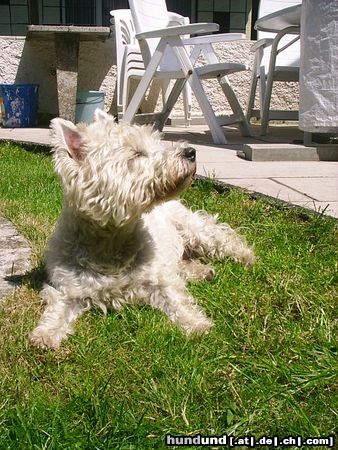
<point x="268" y="367"/>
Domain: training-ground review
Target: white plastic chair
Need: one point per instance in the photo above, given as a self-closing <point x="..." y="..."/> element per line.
<point x="277" y="58"/>
<point x="130" y="65"/>
<point x="166" y="56"/>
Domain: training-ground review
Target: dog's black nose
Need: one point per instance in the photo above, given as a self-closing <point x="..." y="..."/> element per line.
<point x="189" y="153"/>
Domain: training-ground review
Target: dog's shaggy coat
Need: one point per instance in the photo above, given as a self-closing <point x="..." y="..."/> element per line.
<point x="121" y="238"/>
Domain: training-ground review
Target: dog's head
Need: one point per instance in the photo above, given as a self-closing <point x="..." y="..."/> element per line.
<point x="112" y="173"/>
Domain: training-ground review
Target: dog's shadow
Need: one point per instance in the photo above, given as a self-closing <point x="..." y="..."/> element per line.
<point x="34" y="278"/>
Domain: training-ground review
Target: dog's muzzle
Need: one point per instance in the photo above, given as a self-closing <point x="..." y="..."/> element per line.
<point x="189" y="153"/>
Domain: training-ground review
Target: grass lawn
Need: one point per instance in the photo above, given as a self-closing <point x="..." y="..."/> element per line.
<point x="268" y="367"/>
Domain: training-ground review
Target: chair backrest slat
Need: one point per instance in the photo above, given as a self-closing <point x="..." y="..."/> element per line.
<point x="122" y="25"/>
<point x="151" y="15"/>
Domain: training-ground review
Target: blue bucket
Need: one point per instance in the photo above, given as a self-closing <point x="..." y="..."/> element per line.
<point x="20" y="105"/>
<point x="86" y="103"/>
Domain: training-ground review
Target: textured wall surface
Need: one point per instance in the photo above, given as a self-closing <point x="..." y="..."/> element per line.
<point x="32" y="61"/>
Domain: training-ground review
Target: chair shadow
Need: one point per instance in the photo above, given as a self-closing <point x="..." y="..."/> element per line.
<point x="36" y="148"/>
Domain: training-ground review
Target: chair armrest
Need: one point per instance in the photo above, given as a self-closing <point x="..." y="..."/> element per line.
<point x="194" y="28"/>
<point x="224" y="37"/>
<point x="261" y="43"/>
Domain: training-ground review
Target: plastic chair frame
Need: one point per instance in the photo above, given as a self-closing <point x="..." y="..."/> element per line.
<point x="187" y="72"/>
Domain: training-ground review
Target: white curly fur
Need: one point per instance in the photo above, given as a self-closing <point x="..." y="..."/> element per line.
<point x="121" y="238"/>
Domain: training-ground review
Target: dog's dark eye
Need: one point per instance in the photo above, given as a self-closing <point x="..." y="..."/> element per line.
<point x="139" y="154"/>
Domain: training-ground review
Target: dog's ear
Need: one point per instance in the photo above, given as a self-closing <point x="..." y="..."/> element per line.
<point x="100" y="115"/>
<point x="65" y="135"/>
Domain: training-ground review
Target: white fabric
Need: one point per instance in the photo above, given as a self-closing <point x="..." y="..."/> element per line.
<point x="318" y="108"/>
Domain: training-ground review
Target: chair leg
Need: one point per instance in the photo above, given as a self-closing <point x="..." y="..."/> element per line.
<point x="149" y="103"/>
<point x="266" y="89"/>
<point x="262" y="91"/>
<point x="209" y="115"/>
<point x="307" y="139"/>
<point x="266" y="105"/>
<point x="211" y="57"/>
<point x="165" y="84"/>
<point x="141" y="89"/>
<point x="186" y="93"/>
<point x="187" y="104"/>
<point x="251" y="100"/>
<point x="170" y="102"/>
<point x="252" y="92"/>
<point x="116" y="107"/>
<point x="235" y="106"/>
<point x="197" y="88"/>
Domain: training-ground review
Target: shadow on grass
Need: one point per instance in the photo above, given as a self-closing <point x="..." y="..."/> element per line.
<point x="44" y="149"/>
<point x="34" y="279"/>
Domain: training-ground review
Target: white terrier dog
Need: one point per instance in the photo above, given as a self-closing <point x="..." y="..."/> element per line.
<point x="121" y="238"/>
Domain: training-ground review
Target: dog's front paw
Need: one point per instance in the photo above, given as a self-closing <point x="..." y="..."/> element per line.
<point x="204" y="273"/>
<point x="247" y="256"/>
<point x="45" y="339"/>
<point x="209" y="274"/>
<point x="201" y="325"/>
<point x="196" y="271"/>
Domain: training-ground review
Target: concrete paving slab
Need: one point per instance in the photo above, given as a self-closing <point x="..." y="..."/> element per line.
<point x="269" y="187"/>
<point x="277" y="133"/>
<point x="288" y="152"/>
<point x="216" y="155"/>
<point x="327" y="208"/>
<point x="200" y="134"/>
<point x="314" y="187"/>
<point x="14" y="257"/>
<point x="282" y="133"/>
<point x="26" y="135"/>
<point x="281" y="169"/>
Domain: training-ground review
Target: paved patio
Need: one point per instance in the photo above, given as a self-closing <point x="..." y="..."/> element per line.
<point x="307" y="183"/>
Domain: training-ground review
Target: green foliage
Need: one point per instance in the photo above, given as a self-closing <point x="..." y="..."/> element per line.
<point x="268" y="367"/>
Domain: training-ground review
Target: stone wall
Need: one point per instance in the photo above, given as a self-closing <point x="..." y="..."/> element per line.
<point x="33" y="61"/>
